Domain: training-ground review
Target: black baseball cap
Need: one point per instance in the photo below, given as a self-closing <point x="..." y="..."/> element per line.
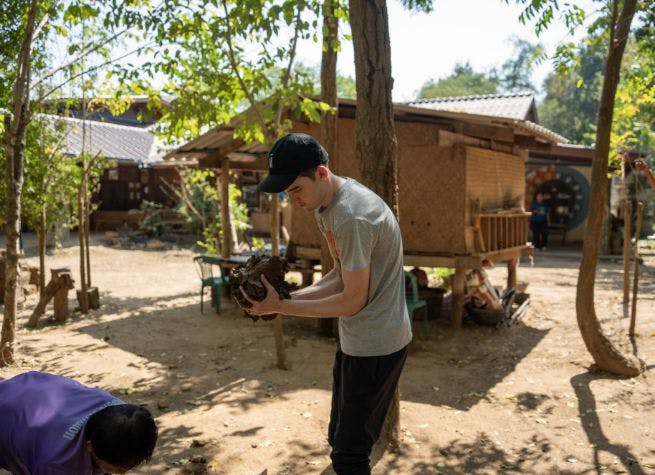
<point x="289" y="156"/>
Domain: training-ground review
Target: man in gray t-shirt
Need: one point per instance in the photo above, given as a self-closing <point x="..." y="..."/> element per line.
<point x="365" y="290"/>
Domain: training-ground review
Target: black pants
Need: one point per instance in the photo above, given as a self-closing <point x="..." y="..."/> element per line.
<point x="539" y="234"/>
<point x="361" y="394"/>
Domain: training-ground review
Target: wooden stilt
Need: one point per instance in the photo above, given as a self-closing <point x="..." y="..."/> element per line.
<point x="511" y="273"/>
<point x="458" y="296"/>
<point x="627" y="224"/>
<point x="633" y="313"/>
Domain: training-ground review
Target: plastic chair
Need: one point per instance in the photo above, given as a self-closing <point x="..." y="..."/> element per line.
<point x="205" y="266"/>
<point x="413" y="302"/>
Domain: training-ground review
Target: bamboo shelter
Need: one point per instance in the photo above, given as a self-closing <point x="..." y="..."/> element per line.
<point x="461" y="181"/>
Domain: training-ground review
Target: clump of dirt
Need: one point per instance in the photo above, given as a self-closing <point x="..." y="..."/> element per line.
<point x="249" y="275"/>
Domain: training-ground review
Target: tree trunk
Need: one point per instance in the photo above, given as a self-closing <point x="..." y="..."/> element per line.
<point x="606" y="356"/>
<point x="42" y="239"/>
<point x="224" y="194"/>
<point x="327" y="326"/>
<point x="375" y="143"/>
<point x="81" y="228"/>
<point x="87" y="234"/>
<point x="14" y="144"/>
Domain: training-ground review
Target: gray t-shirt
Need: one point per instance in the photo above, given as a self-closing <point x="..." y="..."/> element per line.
<point x="362" y="231"/>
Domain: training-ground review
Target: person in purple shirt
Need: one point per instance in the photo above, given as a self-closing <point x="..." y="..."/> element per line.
<point x="52" y="425"/>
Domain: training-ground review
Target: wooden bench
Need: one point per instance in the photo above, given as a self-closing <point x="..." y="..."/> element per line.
<point x="111" y="220"/>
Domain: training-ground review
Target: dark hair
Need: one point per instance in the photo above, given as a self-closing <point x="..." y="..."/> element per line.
<point x="124" y="435"/>
<point x="309" y="172"/>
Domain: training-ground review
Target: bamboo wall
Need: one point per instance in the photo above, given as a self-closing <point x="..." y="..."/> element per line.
<point x="438" y="186"/>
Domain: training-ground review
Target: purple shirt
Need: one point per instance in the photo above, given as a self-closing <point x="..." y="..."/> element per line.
<point x="42" y="421"/>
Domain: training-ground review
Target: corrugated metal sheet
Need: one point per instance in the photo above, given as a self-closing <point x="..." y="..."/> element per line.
<point x="113" y="141"/>
<point x="512" y="106"/>
<point x="221" y="138"/>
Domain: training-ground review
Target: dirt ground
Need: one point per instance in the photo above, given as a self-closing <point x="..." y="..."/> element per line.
<point x="473" y="400"/>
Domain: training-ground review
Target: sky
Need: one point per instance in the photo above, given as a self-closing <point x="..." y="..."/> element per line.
<point x="428" y="46"/>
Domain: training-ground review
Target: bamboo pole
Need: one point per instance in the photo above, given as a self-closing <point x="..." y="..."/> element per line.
<point x="633" y="314"/>
<point x="275" y="251"/>
<point x="42" y="240"/>
<point x="87" y="234"/>
<point x="627" y="225"/>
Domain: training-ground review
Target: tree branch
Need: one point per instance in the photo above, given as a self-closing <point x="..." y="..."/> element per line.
<point x="235" y="68"/>
<point x="93" y="68"/>
<point x="287" y="73"/>
<point x="42" y="24"/>
<point x="88" y="50"/>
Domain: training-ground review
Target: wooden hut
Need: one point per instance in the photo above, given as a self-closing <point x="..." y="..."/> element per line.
<point x="461" y="181"/>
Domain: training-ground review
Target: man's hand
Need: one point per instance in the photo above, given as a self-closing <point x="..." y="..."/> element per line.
<point x="270" y="304"/>
<point x="641" y="165"/>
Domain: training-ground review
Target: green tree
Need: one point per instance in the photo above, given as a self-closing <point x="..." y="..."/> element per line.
<point x="515" y="73"/>
<point x="616" y="18"/>
<point x="570" y="106"/>
<point x="346" y="87"/>
<point x="223" y="59"/>
<point x="463" y="81"/>
<point x="198" y="202"/>
<point x="29" y="29"/>
<point x="14" y="134"/>
<point x="51" y="181"/>
<point x="634" y="121"/>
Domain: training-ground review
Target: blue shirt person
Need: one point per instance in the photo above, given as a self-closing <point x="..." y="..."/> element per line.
<point x="539" y="221"/>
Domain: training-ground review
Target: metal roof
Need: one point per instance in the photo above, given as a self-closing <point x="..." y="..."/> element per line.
<point x="113" y="141"/>
<point x="513" y="106"/>
<point x="220" y="141"/>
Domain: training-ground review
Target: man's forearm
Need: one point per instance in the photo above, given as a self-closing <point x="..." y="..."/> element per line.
<point x="329" y="284"/>
<point x="336" y="305"/>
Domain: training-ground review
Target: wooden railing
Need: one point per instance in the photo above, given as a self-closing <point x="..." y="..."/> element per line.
<point x="502" y="230"/>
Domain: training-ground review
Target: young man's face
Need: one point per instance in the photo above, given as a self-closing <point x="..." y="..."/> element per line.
<point x="308" y="193"/>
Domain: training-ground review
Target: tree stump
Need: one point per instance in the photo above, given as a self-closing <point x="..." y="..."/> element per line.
<point x="63" y="276"/>
<point x="60" y="283"/>
<point x="92" y="297"/>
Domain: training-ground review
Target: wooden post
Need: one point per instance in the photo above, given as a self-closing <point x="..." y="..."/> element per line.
<point x="511" y="273"/>
<point x="275" y="248"/>
<point x="459" y="280"/>
<point x="60" y="300"/>
<point x="327" y="327"/>
<point x="42" y="238"/>
<point x="87" y="234"/>
<point x="60" y="283"/>
<point x="92" y="297"/>
<point x="633" y="313"/>
<point x="627" y="225"/>
<point x="224" y="193"/>
<point x="81" y="229"/>
<point x="307" y="272"/>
